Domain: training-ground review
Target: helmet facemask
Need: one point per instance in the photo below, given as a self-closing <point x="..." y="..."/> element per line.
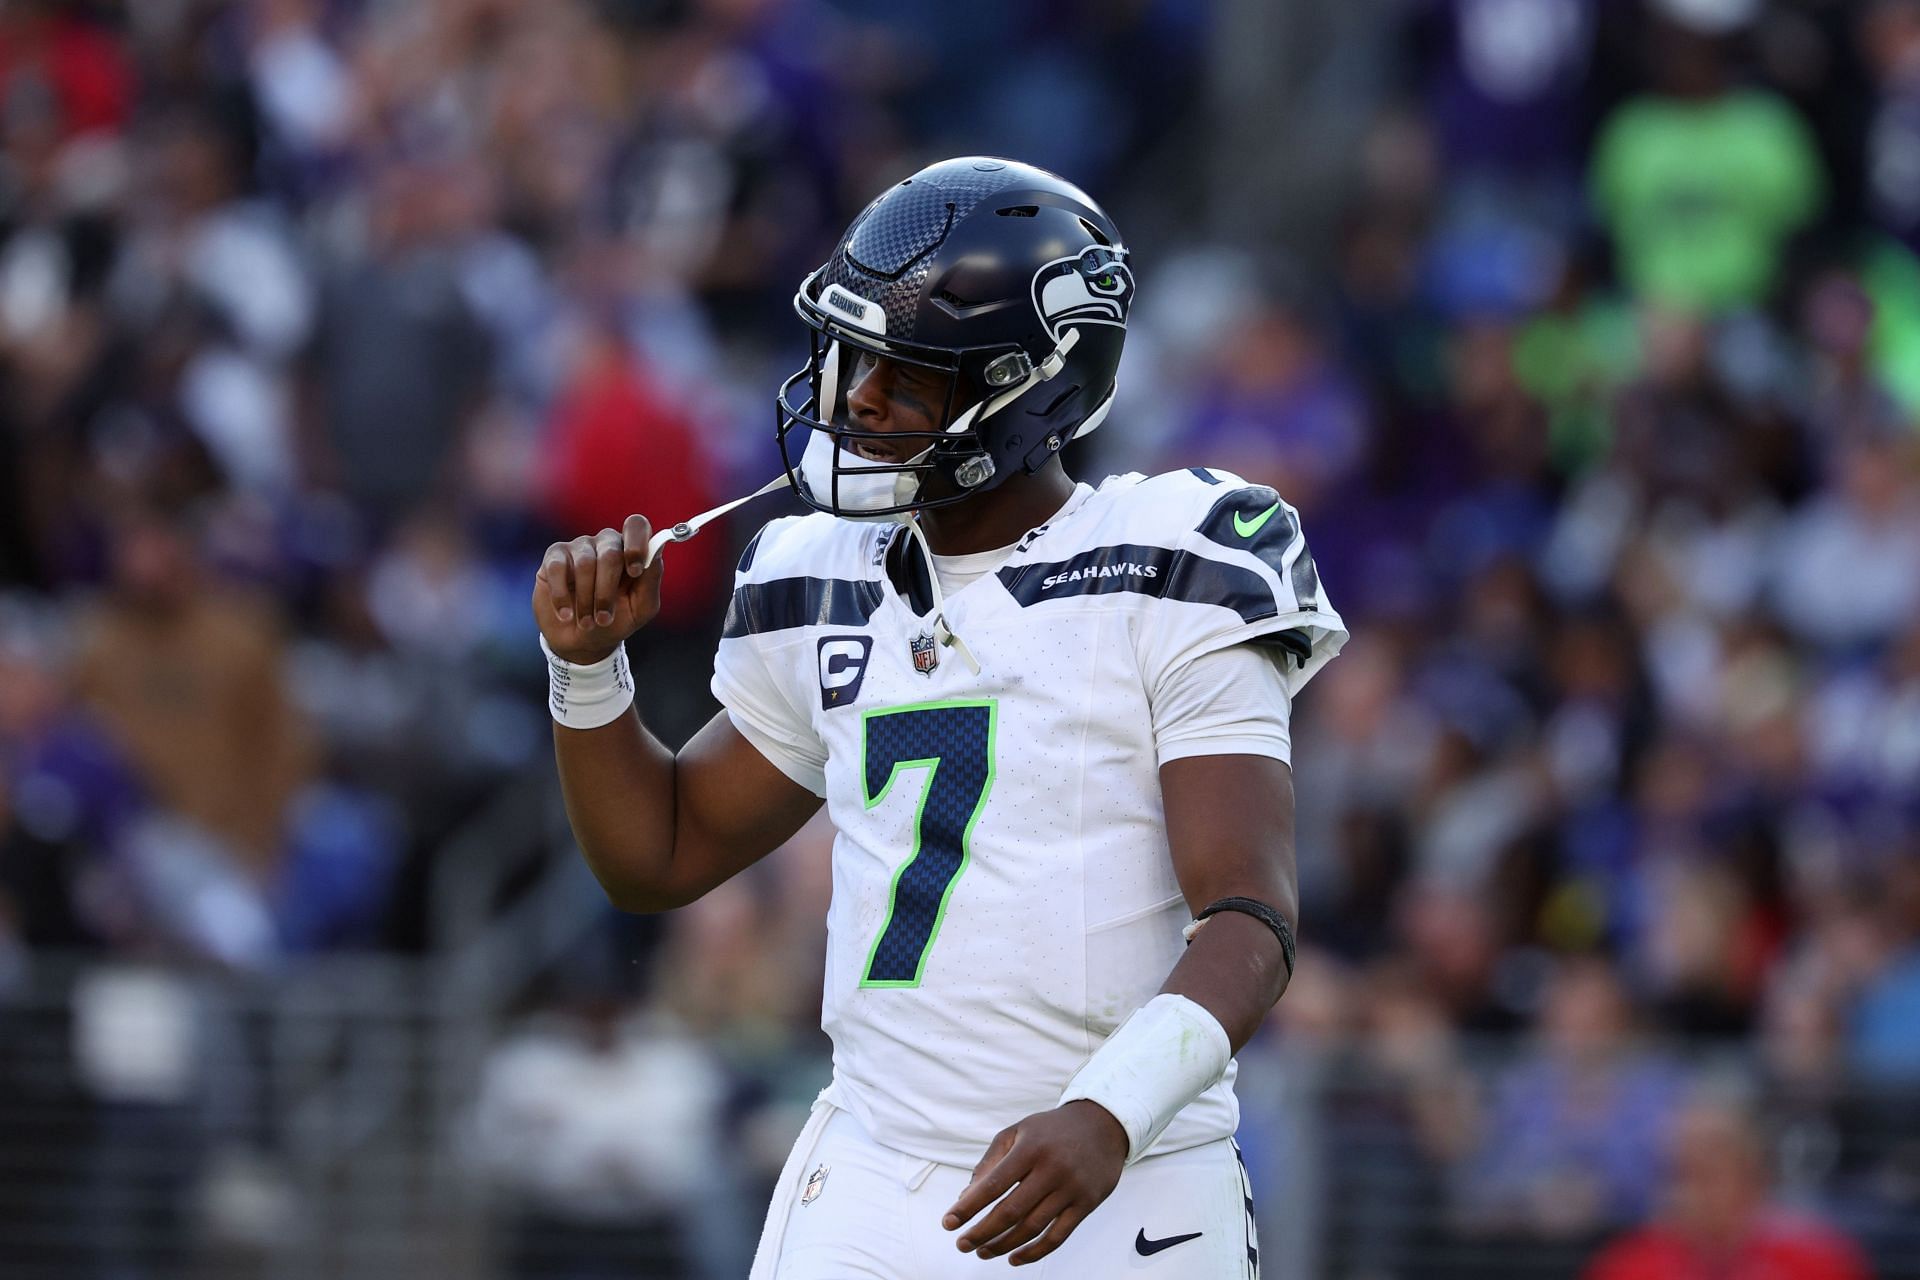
<point x="834" y="470"/>
<point x="935" y="467"/>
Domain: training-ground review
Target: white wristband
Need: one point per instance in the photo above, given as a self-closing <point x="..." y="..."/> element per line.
<point x="1163" y="1057"/>
<point x="586" y="697"/>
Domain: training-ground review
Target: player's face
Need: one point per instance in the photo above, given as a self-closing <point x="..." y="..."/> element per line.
<point x="887" y="397"/>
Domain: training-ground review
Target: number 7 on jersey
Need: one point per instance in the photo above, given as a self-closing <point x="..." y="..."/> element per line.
<point x="954" y="743"/>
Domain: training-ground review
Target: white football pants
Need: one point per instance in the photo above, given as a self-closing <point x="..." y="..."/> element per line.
<point x="847" y="1208"/>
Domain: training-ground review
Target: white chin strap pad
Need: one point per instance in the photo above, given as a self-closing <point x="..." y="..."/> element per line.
<point x="853" y="485"/>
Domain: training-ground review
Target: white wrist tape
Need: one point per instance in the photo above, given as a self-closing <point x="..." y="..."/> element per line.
<point x="586" y="697"/>
<point x="1167" y="1054"/>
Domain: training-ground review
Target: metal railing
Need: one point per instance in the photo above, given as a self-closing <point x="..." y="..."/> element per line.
<point x="167" y="1123"/>
<point x="351" y="1118"/>
<point x="321" y="1123"/>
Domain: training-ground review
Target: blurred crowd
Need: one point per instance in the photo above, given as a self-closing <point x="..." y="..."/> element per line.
<point x="1593" y="365"/>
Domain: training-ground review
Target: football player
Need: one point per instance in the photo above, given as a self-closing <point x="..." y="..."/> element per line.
<point x="1050" y="724"/>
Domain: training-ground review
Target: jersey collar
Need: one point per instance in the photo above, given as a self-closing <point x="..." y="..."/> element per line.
<point x="908" y="573"/>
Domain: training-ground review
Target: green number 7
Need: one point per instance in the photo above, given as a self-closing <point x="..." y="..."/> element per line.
<point x="953" y="742"/>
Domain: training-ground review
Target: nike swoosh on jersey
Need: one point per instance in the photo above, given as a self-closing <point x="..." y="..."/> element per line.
<point x="1147" y="1248"/>
<point x="1247" y="528"/>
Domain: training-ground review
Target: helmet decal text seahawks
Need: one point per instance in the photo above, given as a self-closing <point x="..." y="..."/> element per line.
<point x="865" y="315"/>
<point x="1094" y="286"/>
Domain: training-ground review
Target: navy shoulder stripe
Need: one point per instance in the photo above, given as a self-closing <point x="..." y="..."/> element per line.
<point x="1161" y="572"/>
<point x="753" y="545"/>
<point x="1254" y="519"/>
<point x="1205" y="474"/>
<point x="786" y="603"/>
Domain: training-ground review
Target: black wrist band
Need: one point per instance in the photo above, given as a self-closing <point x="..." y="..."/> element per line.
<point x="1264" y="914"/>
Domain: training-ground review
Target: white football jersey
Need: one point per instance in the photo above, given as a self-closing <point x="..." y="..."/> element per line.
<point x="1003" y="894"/>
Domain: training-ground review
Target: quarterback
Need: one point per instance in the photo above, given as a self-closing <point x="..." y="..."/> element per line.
<point x="1050" y="724"/>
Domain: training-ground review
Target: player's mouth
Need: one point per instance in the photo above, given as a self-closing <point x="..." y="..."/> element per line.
<point x="874" y="452"/>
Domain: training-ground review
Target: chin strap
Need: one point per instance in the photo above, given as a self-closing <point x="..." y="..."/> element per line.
<point x="688" y="527"/>
<point x="941" y="631"/>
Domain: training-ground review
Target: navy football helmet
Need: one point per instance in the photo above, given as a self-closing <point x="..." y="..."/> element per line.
<point x="1007" y="279"/>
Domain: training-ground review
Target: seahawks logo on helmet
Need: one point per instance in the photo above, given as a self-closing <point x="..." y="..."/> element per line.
<point x="1092" y="287"/>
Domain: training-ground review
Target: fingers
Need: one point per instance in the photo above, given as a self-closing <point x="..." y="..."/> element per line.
<point x="1017" y="1219"/>
<point x="992" y="1178"/>
<point x="596" y="585"/>
<point x="1037" y="1182"/>
<point x="1056" y="1235"/>
<point x="609" y="557"/>
<point x="637" y="531"/>
<point x="585" y="570"/>
<point x="556" y="573"/>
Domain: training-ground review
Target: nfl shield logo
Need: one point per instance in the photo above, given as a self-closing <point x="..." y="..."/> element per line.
<point x="925" y="656"/>
<point x="814" y="1185"/>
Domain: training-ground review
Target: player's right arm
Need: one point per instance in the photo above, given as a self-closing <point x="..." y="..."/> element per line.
<point x="658" y="829"/>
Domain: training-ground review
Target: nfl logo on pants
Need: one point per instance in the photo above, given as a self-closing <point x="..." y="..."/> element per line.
<point x="925" y="656"/>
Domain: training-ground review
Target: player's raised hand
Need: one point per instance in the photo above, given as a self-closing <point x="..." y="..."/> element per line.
<point x="1048" y="1172"/>
<point x="592" y="593"/>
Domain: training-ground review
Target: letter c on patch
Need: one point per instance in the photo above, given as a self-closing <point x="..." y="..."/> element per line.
<point x="843" y="666"/>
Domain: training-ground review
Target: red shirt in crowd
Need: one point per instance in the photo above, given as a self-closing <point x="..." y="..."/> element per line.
<point x="1779" y="1247"/>
<point x="84" y="67"/>
<point x="615" y="446"/>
